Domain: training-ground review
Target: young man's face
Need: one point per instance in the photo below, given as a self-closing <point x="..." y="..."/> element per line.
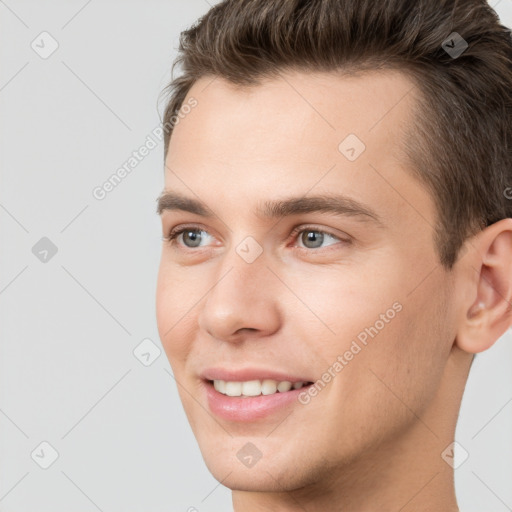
<point x="363" y="289"/>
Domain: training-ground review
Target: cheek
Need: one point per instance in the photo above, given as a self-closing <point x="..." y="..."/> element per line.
<point x="400" y="366"/>
<point x="174" y="311"/>
<point x="355" y="303"/>
<point x="393" y="343"/>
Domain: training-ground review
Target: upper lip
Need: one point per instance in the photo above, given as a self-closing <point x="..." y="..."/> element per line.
<point x="246" y="374"/>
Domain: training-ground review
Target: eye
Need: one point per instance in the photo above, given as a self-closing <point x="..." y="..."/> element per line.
<point x="192" y="236"/>
<point x="311" y="237"/>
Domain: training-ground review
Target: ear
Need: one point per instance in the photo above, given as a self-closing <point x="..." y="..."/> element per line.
<point x="487" y="312"/>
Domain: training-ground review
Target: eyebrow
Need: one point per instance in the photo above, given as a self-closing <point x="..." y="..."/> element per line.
<point x="337" y="204"/>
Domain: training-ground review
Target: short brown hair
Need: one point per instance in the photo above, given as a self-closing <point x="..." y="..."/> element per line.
<point x="460" y="146"/>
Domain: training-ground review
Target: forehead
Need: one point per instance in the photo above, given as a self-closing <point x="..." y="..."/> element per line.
<point x="321" y="106"/>
<point x="291" y="134"/>
<point x="296" y="116"/>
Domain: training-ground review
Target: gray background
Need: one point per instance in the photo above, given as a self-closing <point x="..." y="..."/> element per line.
<point x="70" y="324"/>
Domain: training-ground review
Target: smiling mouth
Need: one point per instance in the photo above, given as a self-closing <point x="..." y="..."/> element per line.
<point x="255" y="388"/>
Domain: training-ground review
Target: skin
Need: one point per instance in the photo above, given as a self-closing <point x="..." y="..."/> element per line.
<point x="373" y="437"/>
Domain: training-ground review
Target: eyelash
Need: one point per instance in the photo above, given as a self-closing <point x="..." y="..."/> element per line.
<point x="174" y="233"/>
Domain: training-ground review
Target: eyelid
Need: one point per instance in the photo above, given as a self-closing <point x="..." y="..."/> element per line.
<point x="312" y="227"/>
<point x="180" y="228"/>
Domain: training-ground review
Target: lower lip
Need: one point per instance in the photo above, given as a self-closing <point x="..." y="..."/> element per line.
<point x="237" y="408"/>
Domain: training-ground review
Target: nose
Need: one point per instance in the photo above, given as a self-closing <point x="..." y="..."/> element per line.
<point x="242" y="300"/>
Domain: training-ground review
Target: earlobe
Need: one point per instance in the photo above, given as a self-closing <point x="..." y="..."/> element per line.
<point x="489" y="315"/>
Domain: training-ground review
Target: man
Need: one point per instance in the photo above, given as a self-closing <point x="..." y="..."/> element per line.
<point x="337" y="243"/>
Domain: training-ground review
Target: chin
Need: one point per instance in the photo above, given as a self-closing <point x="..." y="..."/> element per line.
<point x="256" y="479"/>
<point x="268" y="474"/>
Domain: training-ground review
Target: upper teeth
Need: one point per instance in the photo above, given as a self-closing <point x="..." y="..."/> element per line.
<point x="254" y="387"/>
